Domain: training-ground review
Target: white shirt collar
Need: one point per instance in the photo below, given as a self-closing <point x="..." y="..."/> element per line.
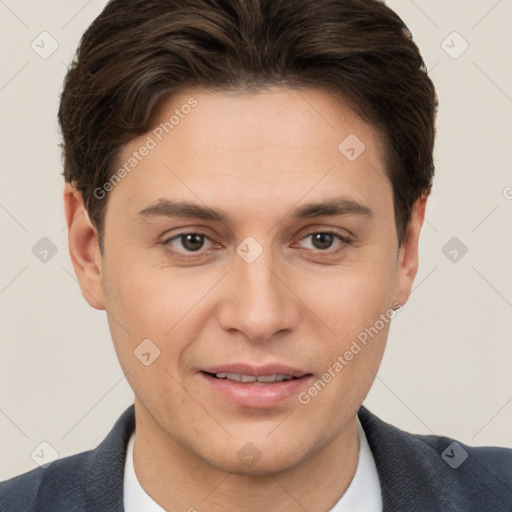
<point x="362" y="495"/>
<point x="135" y="497"/>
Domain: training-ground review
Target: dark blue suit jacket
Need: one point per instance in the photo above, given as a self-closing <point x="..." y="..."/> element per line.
<point x="416" y="473"/>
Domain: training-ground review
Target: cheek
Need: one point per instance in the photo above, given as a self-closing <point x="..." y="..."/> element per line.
<point x="150" y="329"/>
<point x="353" y="304"/>
<point x="349" y="298"/>
<point x="146" y="297"/>
<point x="169" y="306"/>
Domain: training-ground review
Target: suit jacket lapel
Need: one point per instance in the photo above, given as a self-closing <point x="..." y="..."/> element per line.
<point x="400" y="460"/>
<point x="105" y="467"/>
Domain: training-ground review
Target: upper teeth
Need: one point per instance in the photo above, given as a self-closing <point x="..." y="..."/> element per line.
<point x="251" y="378"/>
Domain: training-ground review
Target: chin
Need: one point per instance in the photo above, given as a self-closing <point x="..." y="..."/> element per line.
<point x="260" y="458"/>
<point x="262" y="468"/>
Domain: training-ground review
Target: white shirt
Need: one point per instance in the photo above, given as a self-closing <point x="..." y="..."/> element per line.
<point x="362" y="495"/>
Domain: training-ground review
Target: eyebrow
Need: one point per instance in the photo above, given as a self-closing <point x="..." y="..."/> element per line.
<point x="333" y="207"/>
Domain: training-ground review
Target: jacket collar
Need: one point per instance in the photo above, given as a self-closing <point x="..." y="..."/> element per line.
<point x="105" y="467"/>
<point x="409" y="478"/>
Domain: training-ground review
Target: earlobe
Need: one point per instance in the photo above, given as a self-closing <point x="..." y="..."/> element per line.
<point x="83" y="247"/>
<point x="408" y="257"/>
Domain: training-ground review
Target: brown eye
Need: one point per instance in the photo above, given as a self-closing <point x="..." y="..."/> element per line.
<point x="189" y="242"/>
<point x="322" y="240"/>
<point x="192" y="242"/>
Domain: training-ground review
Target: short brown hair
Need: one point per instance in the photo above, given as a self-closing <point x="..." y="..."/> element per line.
<point x="137" y="53"/>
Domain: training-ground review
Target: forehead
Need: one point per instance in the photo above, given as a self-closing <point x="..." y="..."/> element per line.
<point x="253" y="150"/>
<point x="271" y="119"/>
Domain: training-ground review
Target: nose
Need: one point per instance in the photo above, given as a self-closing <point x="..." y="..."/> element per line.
<point x="259" y="302"/>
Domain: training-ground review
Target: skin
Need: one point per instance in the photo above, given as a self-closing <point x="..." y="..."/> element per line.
<point x="258" y="157"/>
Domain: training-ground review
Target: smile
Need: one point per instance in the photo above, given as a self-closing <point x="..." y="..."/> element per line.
<point x="262" y="379"/>
<point x="253" y="387"/>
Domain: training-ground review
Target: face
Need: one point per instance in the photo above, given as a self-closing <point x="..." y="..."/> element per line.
<point x="254" y="248"/>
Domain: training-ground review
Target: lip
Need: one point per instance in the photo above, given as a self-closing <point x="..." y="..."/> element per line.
<point x="256" y="395"/>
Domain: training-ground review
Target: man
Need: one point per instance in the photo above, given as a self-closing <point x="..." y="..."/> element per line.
<point x="246" y="183"/>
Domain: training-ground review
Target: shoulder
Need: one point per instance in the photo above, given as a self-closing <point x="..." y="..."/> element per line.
<point x="488" y="468"/>
<point x="89" y="481"/>
<point x="62" y="484"/>
<point x="438" y="470"/>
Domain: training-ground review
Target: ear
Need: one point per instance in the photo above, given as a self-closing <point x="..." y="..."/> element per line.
<point x="408" y="254"/>
<point x="83" y="247"/>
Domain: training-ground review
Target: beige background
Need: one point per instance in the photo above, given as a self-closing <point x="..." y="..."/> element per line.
<point x="447" y="369"/>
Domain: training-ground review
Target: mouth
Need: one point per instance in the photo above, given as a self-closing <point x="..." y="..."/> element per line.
<point x="255" y="387"/>
<point x="259" y="379"/>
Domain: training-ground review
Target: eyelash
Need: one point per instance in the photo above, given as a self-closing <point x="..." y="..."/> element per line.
<point x="342" y="238"/>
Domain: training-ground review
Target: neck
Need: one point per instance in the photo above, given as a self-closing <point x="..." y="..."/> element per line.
<point x="178" y="479"/>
